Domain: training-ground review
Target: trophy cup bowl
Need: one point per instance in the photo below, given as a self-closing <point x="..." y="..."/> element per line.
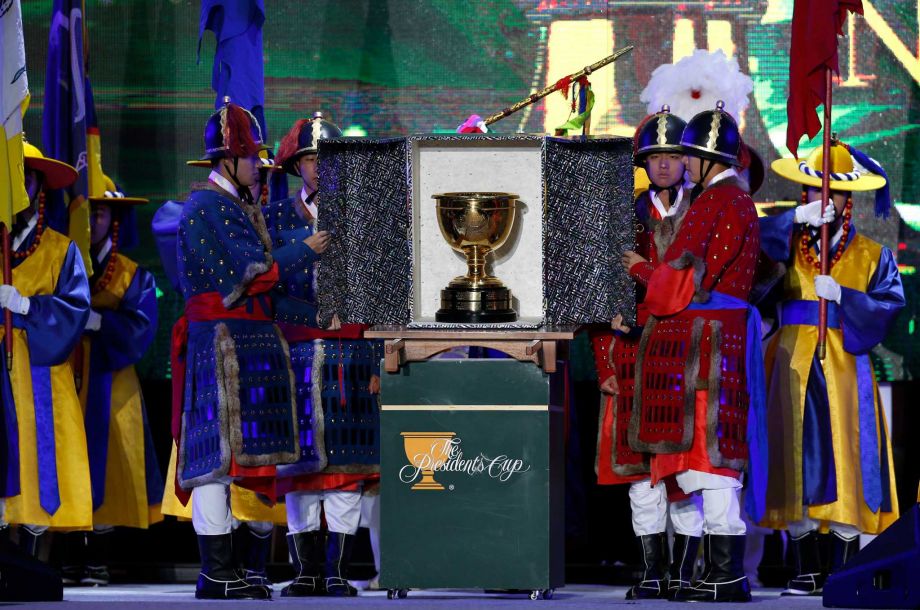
<point x="426" y="451"/>
<point x="476" y="224"/>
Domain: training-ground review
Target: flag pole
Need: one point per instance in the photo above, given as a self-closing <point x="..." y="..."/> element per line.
<point x="7" y="279"/>
<point x="825" y="196"/>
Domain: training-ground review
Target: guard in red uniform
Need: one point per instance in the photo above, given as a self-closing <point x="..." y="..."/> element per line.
<point x="660" y="209"/>
<point x="699" y="367"/>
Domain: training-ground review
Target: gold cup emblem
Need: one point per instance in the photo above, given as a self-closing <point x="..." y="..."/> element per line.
<point x="426" y="451"/>
<point x="476" y="224"/>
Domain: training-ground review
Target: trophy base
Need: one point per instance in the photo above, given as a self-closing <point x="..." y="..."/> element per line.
<point x="476" y="306"/>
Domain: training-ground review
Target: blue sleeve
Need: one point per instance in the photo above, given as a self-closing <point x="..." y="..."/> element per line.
<point x="127" y="332"/>
<point x="776" y="235"/>
<point x="165" y="225"/>
<point x="293" y="258"/>
<point x="291" y="310"/>
<point x="55" y="322"/>
<point x="866" y="317"/>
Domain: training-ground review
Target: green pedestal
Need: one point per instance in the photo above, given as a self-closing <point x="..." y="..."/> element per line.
<point x="489" y="513"/>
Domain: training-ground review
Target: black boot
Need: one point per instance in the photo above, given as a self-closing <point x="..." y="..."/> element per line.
<point x="842" y="550"/>
<point x="809" y="579"/>
<point x="683" y="559"/>
<point x="338" y="554"/>
<point x="218" y="579"/>
<point x="307" y="551"/>
<point x="726" y="581"/>
<point x="73" y="558"/>
<point x="254" y="556"/>
<point x="654" y="583"/>
<point x="28" y="541"/>
<point x="98" y="545"/>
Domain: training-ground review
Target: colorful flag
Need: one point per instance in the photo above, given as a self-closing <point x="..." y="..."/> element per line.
<point x="64" y="116"/>
<point x="238" y="72"/>
<point x="14" y="98"/>
<point x="96" y="179"/>
<point x="813" y="50"/>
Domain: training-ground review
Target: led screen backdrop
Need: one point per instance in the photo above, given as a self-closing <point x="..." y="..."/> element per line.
<point x="393" y="67"/>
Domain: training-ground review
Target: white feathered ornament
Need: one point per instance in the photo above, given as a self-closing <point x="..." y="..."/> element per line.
<point x="696" y="83"/>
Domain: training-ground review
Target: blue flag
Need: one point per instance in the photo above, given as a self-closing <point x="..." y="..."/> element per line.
<point x="64" y="119"/>
<point x="238" y="72"/>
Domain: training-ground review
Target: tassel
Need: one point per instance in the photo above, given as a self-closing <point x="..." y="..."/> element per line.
<point x="882" y="195"/>
<point x="290" y="143"/>
<point x="237" y="132"/>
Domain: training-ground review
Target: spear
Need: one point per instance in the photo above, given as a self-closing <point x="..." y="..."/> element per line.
<point x="812" y="62"/>
<point x="825" y="196"/>
<point x="7" y="279"/>
<point x="560" y="84"/>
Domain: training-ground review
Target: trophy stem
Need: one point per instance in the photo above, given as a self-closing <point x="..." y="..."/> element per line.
<point x="476" y="263"/>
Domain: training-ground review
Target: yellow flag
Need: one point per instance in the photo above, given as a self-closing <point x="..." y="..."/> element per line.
<point x="14" y="98"/>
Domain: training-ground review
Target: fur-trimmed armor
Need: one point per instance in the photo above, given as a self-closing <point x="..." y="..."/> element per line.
<point x="238" y="407"/>
<point x="689" y="345"/>
<point x="338" y="415"/>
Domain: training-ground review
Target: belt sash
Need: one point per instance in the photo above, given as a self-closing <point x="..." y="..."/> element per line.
<point x="805" y="313"/>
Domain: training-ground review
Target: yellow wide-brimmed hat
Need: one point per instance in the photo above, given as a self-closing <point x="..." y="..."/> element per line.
<point x="113" y="196"/>
<point x="57" y="173"/>
<point x="846" y="174"/>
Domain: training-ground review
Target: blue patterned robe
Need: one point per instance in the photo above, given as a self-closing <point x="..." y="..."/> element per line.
<point x="238" y="399"/>
<point x="338" y="417"/>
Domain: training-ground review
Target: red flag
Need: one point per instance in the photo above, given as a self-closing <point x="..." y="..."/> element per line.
<point x="815" y="26"/>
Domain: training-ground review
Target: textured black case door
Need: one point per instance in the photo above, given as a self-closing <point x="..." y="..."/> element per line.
<point x="589" y="222"/>
<point x="364" y="184"/>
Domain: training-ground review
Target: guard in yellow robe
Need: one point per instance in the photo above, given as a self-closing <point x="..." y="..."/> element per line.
<point x="126" y="483"/>
<point x="829" y="449"/>
<point x="46" y="479"/>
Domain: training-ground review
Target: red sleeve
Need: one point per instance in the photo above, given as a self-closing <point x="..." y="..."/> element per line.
<point x="601" y="340"/>
<point x="670" y="290"/>
<point x="641" y="272"/>
<point x="263" y="282"/>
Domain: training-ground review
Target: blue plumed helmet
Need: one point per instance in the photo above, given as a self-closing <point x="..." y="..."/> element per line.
<point x="303" y="138"/>
<point x="658" y="133"/>
<point x="713" y="135"/>
<point x="232" y="131"/>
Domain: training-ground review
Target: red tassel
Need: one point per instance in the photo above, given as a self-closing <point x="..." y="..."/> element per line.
<point x="342" y="400"/>
<point x="744" y="156"/>
<point x="563" y="85"/>
<point x="238" y="132"/>
<point x="289" y="143"/>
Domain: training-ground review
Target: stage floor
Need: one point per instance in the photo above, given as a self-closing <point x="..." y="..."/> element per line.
<point x="583" y="597"/>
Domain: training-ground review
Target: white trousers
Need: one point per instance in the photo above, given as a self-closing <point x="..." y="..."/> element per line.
<point x="797" y="529"/>
<point x="211" y="509"/>
<point x="721" y="501"/>
<point x="650" y="511"/>
<point x="370" y="518"/>
<point x="211" y="514"/>
<point x="343" y="511"/>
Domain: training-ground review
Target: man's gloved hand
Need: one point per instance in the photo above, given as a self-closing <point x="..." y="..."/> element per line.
<point x="12" y="300"/>
<point x="812" y="213"/>
<point x="827" y="287"/>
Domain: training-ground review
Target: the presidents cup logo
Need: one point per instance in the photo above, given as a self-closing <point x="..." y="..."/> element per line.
<point x="431" y="452"/>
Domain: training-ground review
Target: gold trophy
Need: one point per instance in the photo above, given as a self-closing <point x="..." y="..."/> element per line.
<point x="427" y="451"/>
<point x="475" y="224"/>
